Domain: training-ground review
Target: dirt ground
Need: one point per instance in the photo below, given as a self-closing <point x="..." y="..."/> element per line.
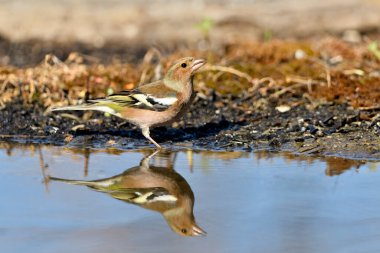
<point x="273" y="81"/>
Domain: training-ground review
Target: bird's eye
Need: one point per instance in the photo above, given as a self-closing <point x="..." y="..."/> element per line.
<point x="184" y="230"/>
<point x="183" y="65"/>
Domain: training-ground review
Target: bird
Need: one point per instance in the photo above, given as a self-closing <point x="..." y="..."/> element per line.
<point x="154" y="104"/>
<point x="156" y="188"/>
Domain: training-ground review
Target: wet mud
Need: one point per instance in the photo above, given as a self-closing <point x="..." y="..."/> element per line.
<point x="332" y="129"/>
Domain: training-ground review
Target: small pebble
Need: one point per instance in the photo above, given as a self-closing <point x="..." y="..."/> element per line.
<point x="283" y="108"/>
<point x="51" y="129"/>
<point x="299" y="54"/>
<point x="352" y="36"/>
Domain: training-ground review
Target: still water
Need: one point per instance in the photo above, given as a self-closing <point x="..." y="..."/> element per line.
<point x="139" y="202"/>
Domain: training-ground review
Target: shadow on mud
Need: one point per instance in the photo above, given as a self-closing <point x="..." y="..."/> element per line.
<point x="165" y="134"/>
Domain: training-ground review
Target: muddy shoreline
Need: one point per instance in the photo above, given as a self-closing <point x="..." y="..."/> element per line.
<point x="330" y="129"/>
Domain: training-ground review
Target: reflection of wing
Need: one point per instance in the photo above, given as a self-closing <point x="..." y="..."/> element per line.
<point x="142" y="196"/>
<point x="142" y="97"/>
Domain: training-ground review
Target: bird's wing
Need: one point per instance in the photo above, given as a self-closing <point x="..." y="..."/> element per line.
<point x="154" y="96"/>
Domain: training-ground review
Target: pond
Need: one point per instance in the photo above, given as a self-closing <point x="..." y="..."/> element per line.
<point x="167" y="202"/>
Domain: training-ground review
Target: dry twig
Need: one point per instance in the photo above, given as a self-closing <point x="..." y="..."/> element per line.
<point x="228" y="70"/>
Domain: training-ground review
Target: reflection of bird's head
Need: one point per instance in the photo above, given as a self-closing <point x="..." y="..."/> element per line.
<point x="183" y="223"/>
<point x="176" y="201"/>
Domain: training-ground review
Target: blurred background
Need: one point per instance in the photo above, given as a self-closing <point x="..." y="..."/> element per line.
<point x="125" y="29"/>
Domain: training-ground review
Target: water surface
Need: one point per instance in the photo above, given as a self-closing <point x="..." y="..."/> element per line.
<point x="246" y="202"/>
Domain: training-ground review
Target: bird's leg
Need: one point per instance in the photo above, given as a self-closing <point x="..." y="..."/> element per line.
<point x="145" y="161"/>
<point x="146" y="133"/>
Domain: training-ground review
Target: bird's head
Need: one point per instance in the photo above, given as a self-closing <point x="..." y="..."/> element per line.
<point x="182" y="70"/>
<point x="183" y="223"/>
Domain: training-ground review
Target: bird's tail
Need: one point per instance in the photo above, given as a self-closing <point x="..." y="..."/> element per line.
<point x="103" y="107"/>
<point x="83" y="107"/>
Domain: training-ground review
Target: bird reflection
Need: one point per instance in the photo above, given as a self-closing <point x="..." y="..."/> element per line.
<point x="157" y="188"/>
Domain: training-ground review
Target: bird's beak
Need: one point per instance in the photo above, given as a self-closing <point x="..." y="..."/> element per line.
<point x="197" y="231"/>
<point x="197" y="64"/>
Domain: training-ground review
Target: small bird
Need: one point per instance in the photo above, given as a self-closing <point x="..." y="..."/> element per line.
<point x="155" y="104"/>
<point x="155" y="188"/>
